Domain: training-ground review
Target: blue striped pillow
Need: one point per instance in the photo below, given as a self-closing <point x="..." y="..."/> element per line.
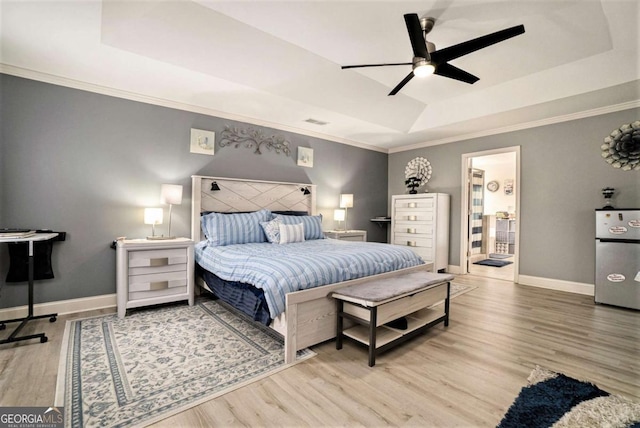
<point x="312" y="224"/>
<point x="290" y="233"/>
<point x="228" y="229"/>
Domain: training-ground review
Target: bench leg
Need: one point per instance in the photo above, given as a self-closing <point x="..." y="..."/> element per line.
<point x="446" y="305"/>
<point x="339" y="323"/>
<point x="373" y="320"/>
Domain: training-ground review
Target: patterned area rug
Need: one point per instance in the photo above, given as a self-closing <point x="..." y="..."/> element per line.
<point x="555" y="400"/>
<point x="458" y="289"/>
<point x="158" y="362"/>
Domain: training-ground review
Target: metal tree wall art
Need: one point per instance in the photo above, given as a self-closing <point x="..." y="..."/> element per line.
<point x="621" y="148"/>
<point x="252" y="138"/>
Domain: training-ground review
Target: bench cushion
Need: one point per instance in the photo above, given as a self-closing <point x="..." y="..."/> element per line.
<point x="387" y="288"/>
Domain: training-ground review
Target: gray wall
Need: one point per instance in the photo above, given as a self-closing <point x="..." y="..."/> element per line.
<point x="562" y="175"/>
<point x="88" y="164"/>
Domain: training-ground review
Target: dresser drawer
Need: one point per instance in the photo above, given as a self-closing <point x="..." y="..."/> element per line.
<point x="416" y="203"/>
<point x="414" y="216"/>
<point x="157" y="261"/>
<point x="413" y="228"/>
<point x="413" y="240"/>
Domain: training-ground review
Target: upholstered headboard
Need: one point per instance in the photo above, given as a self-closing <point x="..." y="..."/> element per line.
<point x="239" y="195"/>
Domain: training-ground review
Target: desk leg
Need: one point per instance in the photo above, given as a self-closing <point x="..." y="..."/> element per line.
<point x="23" y="321"/>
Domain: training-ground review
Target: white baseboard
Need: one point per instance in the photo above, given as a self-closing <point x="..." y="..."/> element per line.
<point x="549" y="283"/>
<point x="557" y="284"/>
<point x="62" y="307"/>
<point x="105" y="301"/>
<point x="455" y="270"/>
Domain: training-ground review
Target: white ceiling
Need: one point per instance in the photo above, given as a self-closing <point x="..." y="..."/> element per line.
<point x="278" y="63"/>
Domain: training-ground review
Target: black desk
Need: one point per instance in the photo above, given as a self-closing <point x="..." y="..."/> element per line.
<point x="23" y="321"/>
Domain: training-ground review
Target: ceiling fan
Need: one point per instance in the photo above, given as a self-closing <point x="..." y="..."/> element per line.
<point x="428" y="60"/>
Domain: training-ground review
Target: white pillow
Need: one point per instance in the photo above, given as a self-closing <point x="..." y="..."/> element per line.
<point x="290" y="233"/>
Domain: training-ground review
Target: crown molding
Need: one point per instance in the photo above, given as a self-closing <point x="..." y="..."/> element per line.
<point x="521" y="126"/>
<point x="133" y="96"/>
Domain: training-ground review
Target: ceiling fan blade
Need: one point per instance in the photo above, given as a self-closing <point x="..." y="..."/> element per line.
<point x="415" y="35"/>
<point x="452" y="72"/>
<point x="344" y="67"/>
<point x="401" y="84"/>
<point x="464" y="48"/>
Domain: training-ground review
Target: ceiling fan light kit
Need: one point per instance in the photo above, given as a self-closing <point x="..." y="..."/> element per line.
<point x="427" y="60"/>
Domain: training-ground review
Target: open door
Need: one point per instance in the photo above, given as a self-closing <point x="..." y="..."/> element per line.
<point x="476" y="210"/>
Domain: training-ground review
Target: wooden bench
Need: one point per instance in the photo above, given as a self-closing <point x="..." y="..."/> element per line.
<point x="422" y="298"/>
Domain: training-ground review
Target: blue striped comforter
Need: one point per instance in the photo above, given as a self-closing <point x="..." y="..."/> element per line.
<point x="281" y="269"/>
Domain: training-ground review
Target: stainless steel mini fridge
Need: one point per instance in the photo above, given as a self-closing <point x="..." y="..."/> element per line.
<point x="618" y="257"/>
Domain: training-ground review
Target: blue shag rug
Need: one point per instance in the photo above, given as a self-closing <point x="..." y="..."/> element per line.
<point x="555" y="400"/>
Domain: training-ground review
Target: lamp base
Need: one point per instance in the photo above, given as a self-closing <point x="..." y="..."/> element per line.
<point x="160" y="238"/>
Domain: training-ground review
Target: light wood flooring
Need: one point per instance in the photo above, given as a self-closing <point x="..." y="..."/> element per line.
<point x="463" y="375"/>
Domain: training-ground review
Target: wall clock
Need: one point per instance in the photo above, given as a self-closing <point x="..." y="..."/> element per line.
<point x="492" y="186"/>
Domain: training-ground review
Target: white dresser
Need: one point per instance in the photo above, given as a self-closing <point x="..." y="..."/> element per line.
<point x="421" y="221"/>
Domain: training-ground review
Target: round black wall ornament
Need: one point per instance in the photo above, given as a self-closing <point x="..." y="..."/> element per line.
<point x="621" y="148"/>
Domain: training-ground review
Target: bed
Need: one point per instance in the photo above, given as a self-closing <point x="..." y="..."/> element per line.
<point x="235" y="224"/>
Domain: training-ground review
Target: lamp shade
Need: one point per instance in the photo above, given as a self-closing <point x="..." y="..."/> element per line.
<point x="171" y="194"/>
<point x="338" y="215"/>
<point x="153" y="216"/>
<point x="346" y="200"/>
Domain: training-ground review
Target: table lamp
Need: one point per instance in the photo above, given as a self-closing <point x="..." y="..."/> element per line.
<point x="171" y="194"/>
<point x="346" y="201"/>
<point x="338" y="215"/>
<point x="153" y="216"/>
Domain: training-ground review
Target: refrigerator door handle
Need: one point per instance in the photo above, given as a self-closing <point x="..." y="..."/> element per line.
<point x="622" y="241"/>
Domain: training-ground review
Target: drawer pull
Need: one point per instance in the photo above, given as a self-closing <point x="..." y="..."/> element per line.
<point x="411" y="243"/>
<point x="411" y="230"/>
<point x="412" y="205"/>
<point x="161" y="261"/>
<point x="160" y="285"/>
<point x="412" y="218"/>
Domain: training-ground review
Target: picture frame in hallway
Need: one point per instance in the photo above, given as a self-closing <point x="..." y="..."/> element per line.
<point x="508" y="186"/>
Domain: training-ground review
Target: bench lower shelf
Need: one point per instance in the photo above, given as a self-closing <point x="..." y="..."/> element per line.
<point x="386" y="334"/>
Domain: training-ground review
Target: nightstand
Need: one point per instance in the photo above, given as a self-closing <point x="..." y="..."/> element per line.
<point x="347" y="235"/>
<point x="151" y="272"/>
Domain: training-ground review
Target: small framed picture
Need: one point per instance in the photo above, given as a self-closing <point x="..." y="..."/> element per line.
<point x="305" y="157"/>
<point x="202" y="142"/>
<point x="508" y="186"/>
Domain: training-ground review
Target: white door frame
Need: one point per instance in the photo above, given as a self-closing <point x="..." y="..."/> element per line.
<point x="464" y="212"/>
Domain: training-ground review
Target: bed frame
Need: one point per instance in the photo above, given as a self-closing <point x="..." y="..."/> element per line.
<point x="310" y="315"/>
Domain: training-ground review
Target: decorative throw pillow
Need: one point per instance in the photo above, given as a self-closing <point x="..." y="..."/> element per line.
<point x="272" y="230"/>
<point x="290" y="233"/>
<point x="312" y="224"/>
<point x="229" y="229"/>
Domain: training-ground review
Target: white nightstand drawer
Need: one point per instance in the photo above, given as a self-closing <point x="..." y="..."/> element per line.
<point x="157" y="258"/>
<point x="158" y="281"/>
<point x="146" y="295"/>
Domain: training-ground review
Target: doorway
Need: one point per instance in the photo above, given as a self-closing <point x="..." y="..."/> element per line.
<point x="491" y="201"/>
